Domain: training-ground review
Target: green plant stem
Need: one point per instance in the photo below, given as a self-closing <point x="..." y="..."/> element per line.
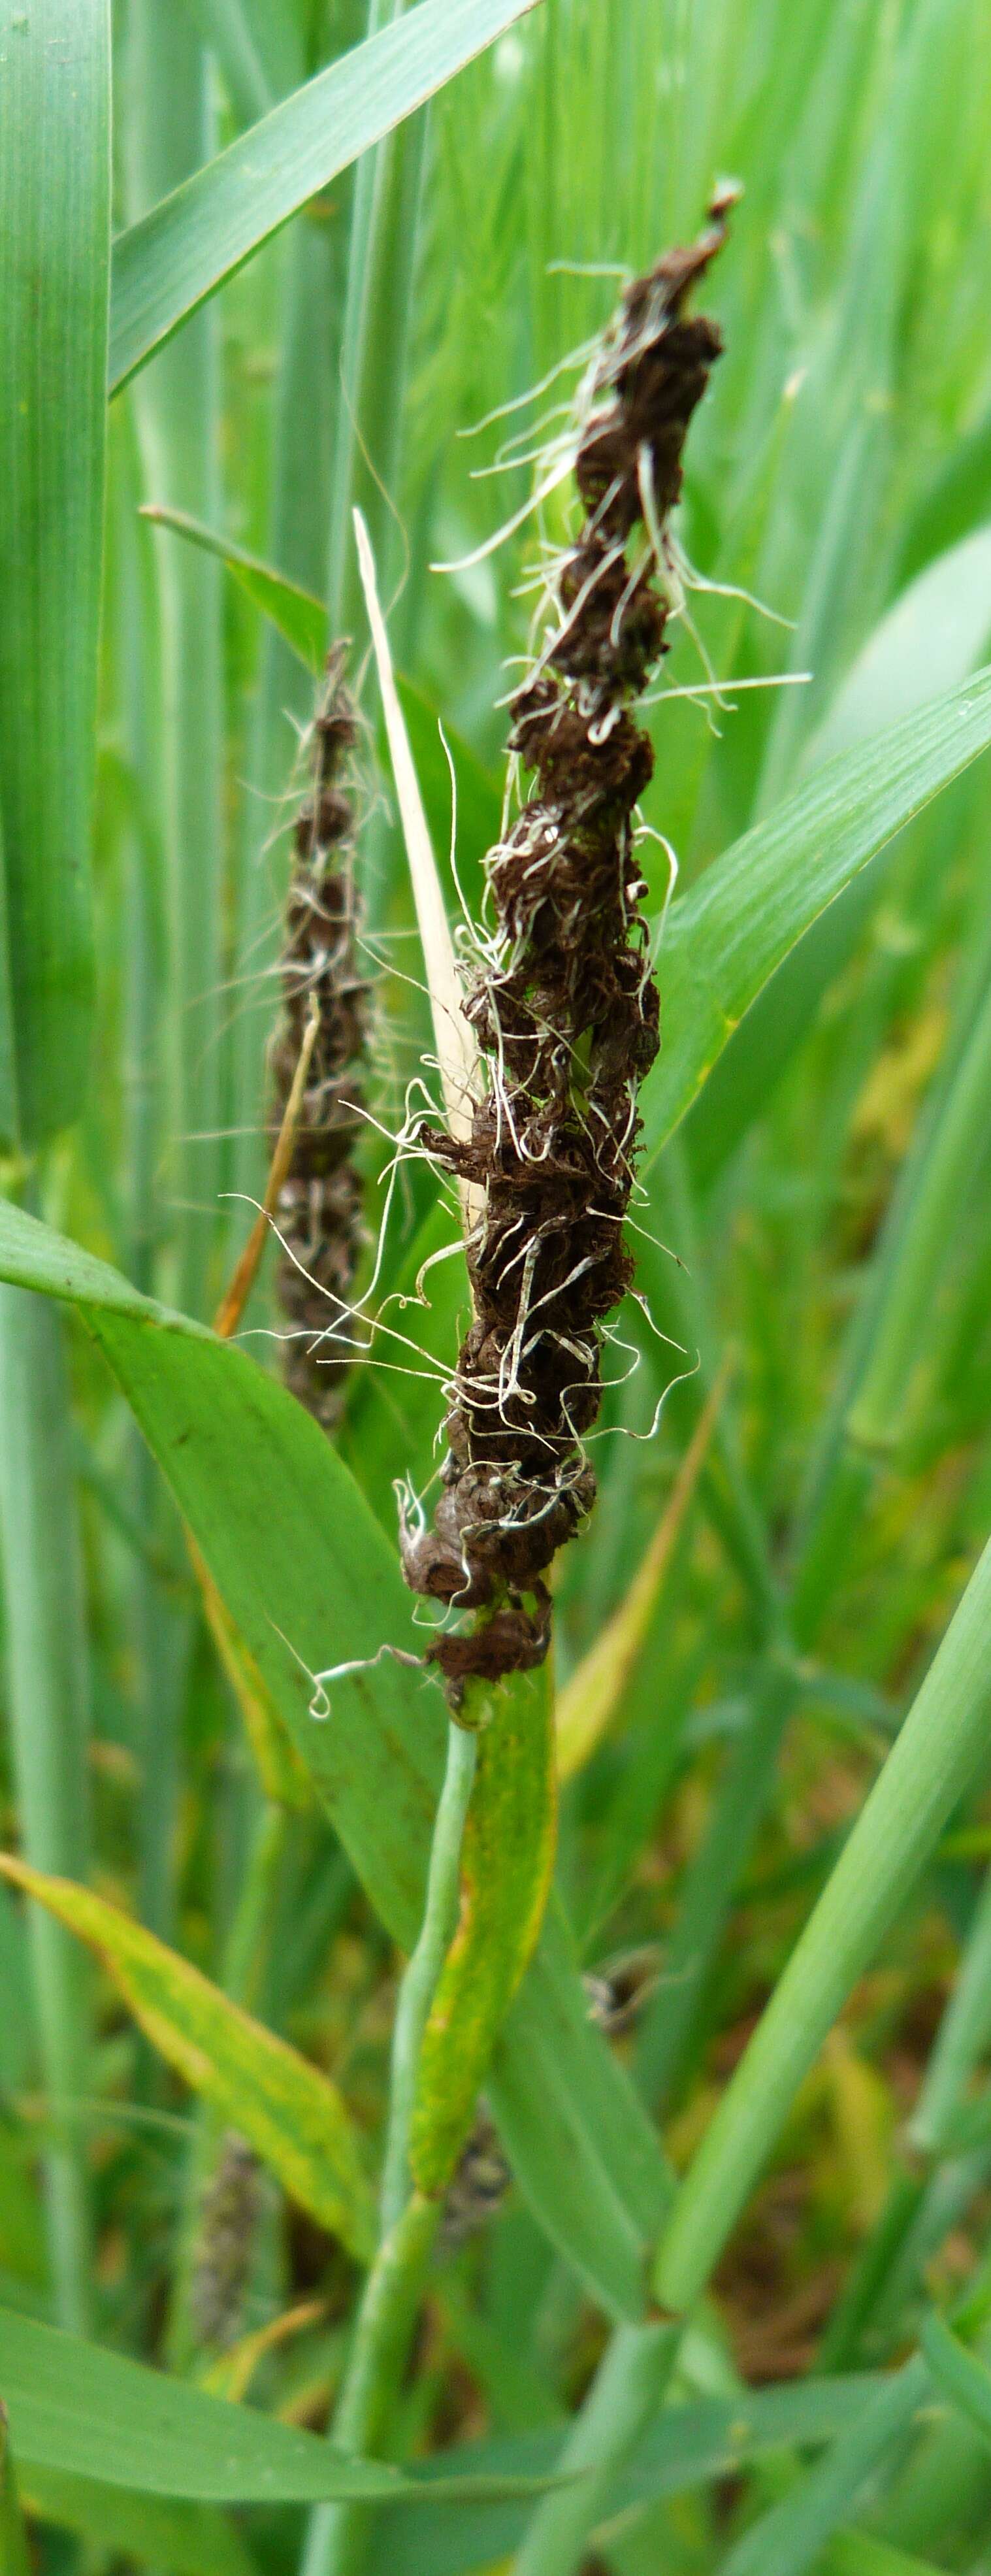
<point x="48" y="1699"/>
<point x="337" y="2539"/>
<point x="416" y="1992"/>
<point x="628" y="2388"/>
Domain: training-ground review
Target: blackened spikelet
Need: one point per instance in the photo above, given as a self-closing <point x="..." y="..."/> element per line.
<point x="318" y="1211"/>
<point x="229" y="2213"/>
<point x="568" y="1019"/>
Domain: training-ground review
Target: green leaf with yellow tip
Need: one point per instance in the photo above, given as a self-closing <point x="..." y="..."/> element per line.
<point x="293" y="2115"/>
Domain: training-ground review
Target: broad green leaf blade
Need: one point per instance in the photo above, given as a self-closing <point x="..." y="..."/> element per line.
<point x="306" y="1572"/>
<point x="292" y="2114"/>
<point x="963" y="2377"/>
<point x="91" y="2413"/>
<point x="310" y="1580"/>
<point x="182" y="251"/>
<point x="507" y="1857"/>
<point x="731" y="932"/>
<point x="14" y="2558"/>
<point x="55" y="228"/>
<point x="577" y="2134"/>
<point x="85" y="2412"/>
<point x="298" y="616"/>
<point x="159" y="2531"/>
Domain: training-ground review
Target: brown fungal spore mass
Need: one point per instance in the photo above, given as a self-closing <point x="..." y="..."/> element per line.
<point x="566" y="1011"/>
<point x="318" y="1212"/>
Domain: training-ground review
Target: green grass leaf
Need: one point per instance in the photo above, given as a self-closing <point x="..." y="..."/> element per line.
<point x="961" y="2375"/>
<point x="55" y="227"/>
<point x="292" y="2114"/>
<point x="297" y="615"/>
<point x="85" y="2412"/>
<point x="938" y="1755"/>
<point x="183" y="250"/>
<point x="310" y="1580"/>
<point x="730" y="933"/>
<point x="306" y="1572"/>
<point x="160" y="2531"/>
<point x="577" y="2133"/>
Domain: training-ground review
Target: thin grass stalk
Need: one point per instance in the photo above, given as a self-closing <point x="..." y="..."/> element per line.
<point x="790" y="2537"/>
<point x="178" y="437"/>
<point x="628" y="2388"/>
<point x="179" y="429"/>
<point x="49" y="1716"/>
<point x="671" y="2028"/>
<point x="338" y="2536"/>
<point x="368" y="207"/>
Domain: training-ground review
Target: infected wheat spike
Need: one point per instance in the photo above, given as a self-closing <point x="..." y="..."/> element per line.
<point x="565" y="1009"/>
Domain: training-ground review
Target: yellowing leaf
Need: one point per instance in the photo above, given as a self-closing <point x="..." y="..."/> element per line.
<point x="293" y="2115"/>
<point x="594" y="1695"/>
<point x="506" y="1864"/>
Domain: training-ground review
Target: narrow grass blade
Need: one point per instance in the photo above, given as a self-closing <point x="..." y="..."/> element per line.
<point x="48" y="1703"/>
<point x="181" y="252"/>
<point x="939" y="1753"/>
<point x="594" y="1695"/>
<point x="227" y="31"/>
<point x="730" y="933"/>
<point x="506" y="1863"/>
<point x="298" y="617"/>
<point x="963" y="2377"/>
<point x="55" y="226"/>
<point x="293" y="2115"/>
<point x="790" y="2537"/>
<point x="178" y="409"/>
